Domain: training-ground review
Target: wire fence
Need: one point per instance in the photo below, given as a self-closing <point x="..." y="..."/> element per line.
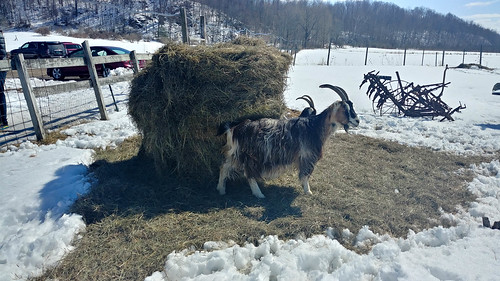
<point x="76" y="106"/>
<point x="57" y="110"/>
<point x="350" y="56"/>
<point x="37" y="104"/>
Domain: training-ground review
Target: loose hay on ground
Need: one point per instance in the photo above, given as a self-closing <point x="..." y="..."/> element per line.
<point x="135" y="221"/>
<point x="181" y="98"/>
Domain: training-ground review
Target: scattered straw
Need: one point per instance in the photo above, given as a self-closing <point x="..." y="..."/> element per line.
<point x="134" y="221"/>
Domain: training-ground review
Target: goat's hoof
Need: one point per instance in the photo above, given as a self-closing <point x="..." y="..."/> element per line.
<point x="309" y="192"/>
<point x="260" y="196"/>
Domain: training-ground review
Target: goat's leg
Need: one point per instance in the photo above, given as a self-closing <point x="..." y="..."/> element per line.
<point x="305" y="184"/>
<point x="223" y="175"/>
<point x="255" y="188"/>
<point x="306" y="168"/>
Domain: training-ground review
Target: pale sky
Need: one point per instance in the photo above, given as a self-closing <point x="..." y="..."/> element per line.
<point x="483" y="12"/>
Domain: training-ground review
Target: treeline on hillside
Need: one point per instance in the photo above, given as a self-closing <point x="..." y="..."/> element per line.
<point x="307" y="24"/>
<point x="290" y="23"/>
<point x="116" y="19"/>
<point x="113" y="16"/>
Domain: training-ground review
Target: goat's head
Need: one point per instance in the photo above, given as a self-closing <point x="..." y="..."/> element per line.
<point x="349" y="118"/>
<point x="308" y="111"/>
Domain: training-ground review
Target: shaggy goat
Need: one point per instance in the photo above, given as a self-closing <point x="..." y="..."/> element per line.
<point x="263" y="148"/>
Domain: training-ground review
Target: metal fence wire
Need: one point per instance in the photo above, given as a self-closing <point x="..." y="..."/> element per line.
<point x="57" y="110"/>
<point x="65" y="106"/>
<point x="37" y="104"/>
<point x="18" y="116"/>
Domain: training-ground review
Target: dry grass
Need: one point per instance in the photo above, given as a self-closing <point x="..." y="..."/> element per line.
<point x="52" y="137"/>
<point x="135" y="219"/>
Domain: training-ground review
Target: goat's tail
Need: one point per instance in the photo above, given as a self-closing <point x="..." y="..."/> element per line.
<point x="223" y="128"/>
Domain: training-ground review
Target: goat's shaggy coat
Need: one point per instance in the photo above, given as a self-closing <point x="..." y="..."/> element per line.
<point x="263" y="148"/>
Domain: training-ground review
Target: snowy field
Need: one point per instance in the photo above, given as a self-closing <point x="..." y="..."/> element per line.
<point x="40" y="182"/>
<point x="381" y="57"/>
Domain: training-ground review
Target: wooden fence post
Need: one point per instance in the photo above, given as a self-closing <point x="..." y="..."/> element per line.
<point x="423" y="54"/>
<point x="135" y="62"/>
<point x="294" y="56"/>
<point x="36" y="117"/>
<point x="329" y="50"/>
<point x="185" y="33"/>
<point x="481" y="56"/>
<point x="95" y="80"/>
<point x="366" y="55"/>
<point x="203" y="28"/>
<point x="442" y="60"/>
<point x="404" y="58"/>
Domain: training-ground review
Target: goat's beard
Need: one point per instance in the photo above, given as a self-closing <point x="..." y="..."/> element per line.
<point x="346" y="128"/>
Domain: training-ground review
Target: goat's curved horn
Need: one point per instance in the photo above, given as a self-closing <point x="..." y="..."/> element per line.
<point x="308" y="99"/>
<point x="338" y="90"/>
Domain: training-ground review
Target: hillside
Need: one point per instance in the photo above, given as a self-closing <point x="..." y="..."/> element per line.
<point x="290" y="24"/>
<point x="359" y="23"/>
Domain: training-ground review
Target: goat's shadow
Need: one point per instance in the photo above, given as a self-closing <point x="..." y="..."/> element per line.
<point x="277" y="204"/>
<point x="57" y="195"/>
<point x="132" y="187"/>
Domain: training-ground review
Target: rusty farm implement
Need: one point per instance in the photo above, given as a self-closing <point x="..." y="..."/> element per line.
<point x="402" y="98"/>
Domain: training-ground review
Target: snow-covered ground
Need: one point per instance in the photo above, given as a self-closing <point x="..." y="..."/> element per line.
<point x="40" y="182"/>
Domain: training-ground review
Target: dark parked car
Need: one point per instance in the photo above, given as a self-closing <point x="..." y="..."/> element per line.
<point x="41" y="49"/>
<point x="71" y="47"/>
<point x="496" y="89"/>
<point x="103" y="70"/>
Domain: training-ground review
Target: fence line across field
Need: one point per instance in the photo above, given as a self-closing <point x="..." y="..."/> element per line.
<point x="36" y="105"/>
<point x="39" y="104"/>
<point x="357" y="56"/>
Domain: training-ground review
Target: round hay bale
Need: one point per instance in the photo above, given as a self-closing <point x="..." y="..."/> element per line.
<point x="179" y="101"/>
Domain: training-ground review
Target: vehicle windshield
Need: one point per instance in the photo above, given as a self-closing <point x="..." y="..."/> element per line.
<point x="55" y="46"/>
<point x="119" y="51"/>
<point x="73" y="46"/>
<point x="76" y="54"/>
<point x="28" y="45"/>
<point x="98" y="51"/>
